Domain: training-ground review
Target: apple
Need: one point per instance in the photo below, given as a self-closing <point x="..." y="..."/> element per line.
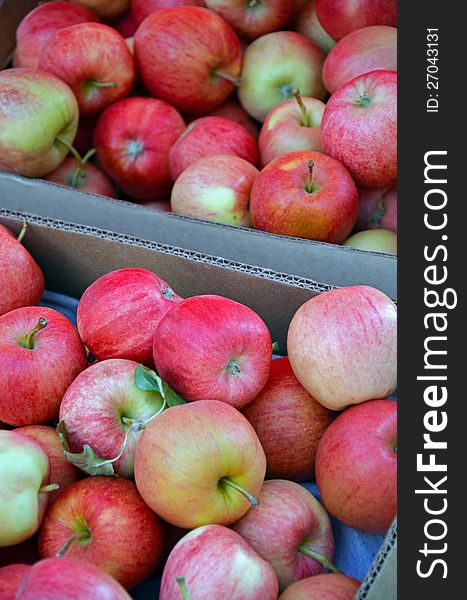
<point x="307" y="195"/>
<point x="340" y="17"/>
<point x="359" y="128"/>
<point x="289" y="424"/>
<point x="274" y="66"/>
<point x="361" y="51"/>
<point x="214" y="561"/>
<point x="232" y="109"/>
<point x="39" y="25"/>
<point x="329" y="586"/>
<point x="211" y="347"/>
<point x="188" y="56"/>
<point x="140" y="9"/>
<point x="70" y="579"/>
<point x="118" y="314"/>
<point x="85" y="177"/>
<point x="215" y="188"/>
<point x="163" y="204"/>
<point x="292" y="126"/>
<point x="253" y="18"/>
<point x="199" y="463"/>
<point x="356" y="466"/>
<point x="22" y="278"/>
<point x="376" y="240"/>
<point x="39" y="116"/>
<point x="342" y="346"/>
<point x="10" y="578"/>
<point x="307" y="23"/>
<point x="291" y="530"/>
<point x="107" y="9"/>
<point x="83" y="140"/>
<point x="41" y="353"/>
<point x="24" y="473"/>
<point x="94" y="60"/>
<point x="377" y="209"/>
<point x="126" y="25"/>
<point x="132" y="140"/>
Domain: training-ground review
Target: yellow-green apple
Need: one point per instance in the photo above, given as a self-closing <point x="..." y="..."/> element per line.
<point x="232" y="109"/>
<point x="214" y="561"/>
<point x="104" y="521"/>
<point x="105" y="410"/>
<point x="41" y="353"/>
<point x="85" y="177"/>
<point x="10" y="578"/>
<point x="132" y="140"/>
<point x="291" y="530"/>
<point x="356" y="466"/>
<point x="307" y="23"/>
<point x="107" y="9"/>
<point x="39" y="25"/>
<point x="62" y="578"/>
<point x="200" y="463"/>
<point x="118" y="313"/>
<point x="188" y="56"/>
<point x="307" y="195"/>
<point x="253" y="18"/>
<point x="211" y="347"/>
<point x="274" y="66"/>
<point x="376" y="240"/>
<point x="140" y="9"/>
<point x="94" y="60"/>
<point x="62" y="472"/>
<point x="289" y="424"/>
<point x="359" y="128"/>
<point x="210" y="136"/>
<point x="328" y="586"/>
<point x="377" y="209"/>
<point x="39" y="116"/>
<point x="292" y="126"/>
<point x="25" y="476"/>
<point x="340" y="17"/>
<point x="22" y="280"/>
<point x="342" y="346"/>
<point x="215" y="188"/>
<point x="361" y="51"/>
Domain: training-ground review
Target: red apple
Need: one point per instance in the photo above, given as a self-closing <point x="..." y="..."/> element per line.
<point x="39" y="25"/>
<point x="231" y="109"/>
<point x="126" y="25"/>
<point x="119" y="313"/>
<point x="10" y="578"/>
<point x="292" y="126"/>
<point x="22" y="280"/>
<point x="307" y="23"/>
<point x="83" y="139"/>
<point x="289" y="424"/>
<point x="359" y="128"/>
<point x="307" y="195"/>
<point x="163" y="205"/>
<point x="216" y="562"/>
<point x="87" y="178"/>
<point x="342" y="346"/>
<point x="290" y="529"/>
<point x="188" y="56"/>
<point x="356" y="466"/>
<point x="364" y="50"/>
<point x="199" y="463"/>
<point x="107" y="9"/>
<point x="376" y="240"/>
<point x="143" y="8"/>
<point x="340" y="17"/>
<point x="329" y="586"/>
<point x="132" y="140"/>
<point x="377" y="209"/>
<point x="40" y="355"/>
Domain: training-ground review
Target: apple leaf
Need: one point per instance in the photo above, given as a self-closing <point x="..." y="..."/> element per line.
<point x="171" y="396"/>
<point x="148" y="380"/>
<point x="87" y="460"/>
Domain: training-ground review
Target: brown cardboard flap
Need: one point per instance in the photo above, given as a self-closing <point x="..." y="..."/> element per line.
<point x="11" y="14"/>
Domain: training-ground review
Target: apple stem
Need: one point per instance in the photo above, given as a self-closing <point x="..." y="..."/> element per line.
<point x="305" y="114"/>
<point x="52" y="487"/>
<point x="319" y="558"/>
<point x="70" y="147"/>
<point x="183" y="589"/>
<point x="378" y="215"/>
<point x="22" y="233"/>
<point x="225" y="75"/>
<point x="28" y="340"/>
<point x="251" y="499"/>
<point x="79" y="171"/>
<point x="103" y="84"/>
<point x="309" y="183"/>
<point x="79" y="535"/>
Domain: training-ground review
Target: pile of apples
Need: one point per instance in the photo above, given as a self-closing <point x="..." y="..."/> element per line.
<point x="273" y="114"/>
<point x="162" y="436"/>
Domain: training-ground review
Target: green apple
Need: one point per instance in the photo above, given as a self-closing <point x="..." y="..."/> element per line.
<point x="377" y="240"/>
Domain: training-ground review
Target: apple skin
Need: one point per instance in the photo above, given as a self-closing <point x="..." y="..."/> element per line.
<point x="356" y="466"/>
<point x="289" y="424"/>
<point x="35" y="107"/>
<point x="216" y="560"/>
<point x="376" y="240"/>
<point x="286" y="129"/>
<point x="342" y="369"/>
<point x="215" y="188"/>
<point x="211" y="347"/>
<point x="377" y="210"/>
<point x="340" y="17"/>
<point x="60" y="578"/>
<point x="39" y="25"/>
<point x="34" y="380"/>
<point x="118" y="314"/>
<point x="143" y="8"/>
<point x="132" y="140"/>
<point x="274" y="66"/>
<point x="84" y="135"/>
<point x="184" y="454"/>
<point x="281" y="204"/>
<point x="163" y="205"/>
<point x="288" y="517"/>
<point x="361" y="51"/>
<point x="329" y="586"/>
<point x="125" y="25"/>
<point x="10" y="578"/>
<point x="107" y="9"/>
<point x="22" y="278"/>
<point x="359" y="128"/>
<point x="92" y="179"/>
<point x="178" y="51"/>
<point x="307" y="23"/>
<point x="232" y="110"/>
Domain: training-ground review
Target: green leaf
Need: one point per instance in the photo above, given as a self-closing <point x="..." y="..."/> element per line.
<point x="148" y="380"/>
<point x="171" y="396"/>
<point x="87" y="460"/>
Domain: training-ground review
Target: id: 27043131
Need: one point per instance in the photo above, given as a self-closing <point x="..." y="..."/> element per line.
<point x="432" y="83"/>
